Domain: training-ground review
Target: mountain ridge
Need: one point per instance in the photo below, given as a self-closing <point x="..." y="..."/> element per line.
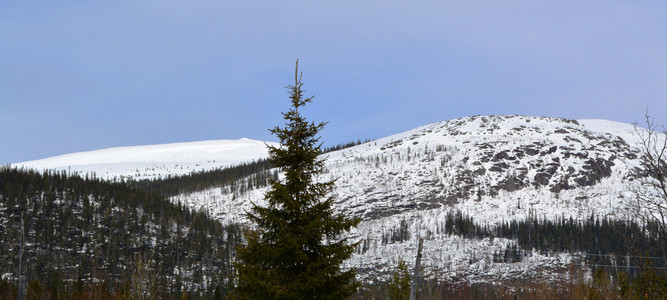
<point x="155" y="161"/>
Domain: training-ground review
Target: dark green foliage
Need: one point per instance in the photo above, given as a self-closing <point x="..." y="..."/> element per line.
<point x="82" y="232"/>
<point x="399" y="288"/>
<point x="297" y="249"/>
<point x="649" y="284"/>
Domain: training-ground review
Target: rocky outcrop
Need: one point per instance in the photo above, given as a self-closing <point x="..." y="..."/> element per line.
<point x="470" y="158"/>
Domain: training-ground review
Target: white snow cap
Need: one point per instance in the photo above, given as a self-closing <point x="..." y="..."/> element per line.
<point x="154" y="161"/>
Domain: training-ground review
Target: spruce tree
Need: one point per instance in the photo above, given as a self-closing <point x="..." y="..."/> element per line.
<point x="399" y="288"/>
<point x="297" y="248"/>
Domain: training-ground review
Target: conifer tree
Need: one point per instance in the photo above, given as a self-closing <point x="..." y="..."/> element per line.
<point x="399" y="288"/>
<point x="297" y="248"/>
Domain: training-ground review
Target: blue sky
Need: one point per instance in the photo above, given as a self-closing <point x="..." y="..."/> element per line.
<point x="85" y="75"/>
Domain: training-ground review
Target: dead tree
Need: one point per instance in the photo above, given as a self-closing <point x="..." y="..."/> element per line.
<point x="21" y="277"/>
<point x="417" y="276"/>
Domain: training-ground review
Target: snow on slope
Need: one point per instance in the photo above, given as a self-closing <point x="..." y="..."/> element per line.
<point x="472" y="164"/>
<point x="155" y="161"/>
<point x="493" y="168"/>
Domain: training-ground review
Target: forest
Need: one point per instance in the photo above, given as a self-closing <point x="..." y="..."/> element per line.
<point x="84" y="234"/>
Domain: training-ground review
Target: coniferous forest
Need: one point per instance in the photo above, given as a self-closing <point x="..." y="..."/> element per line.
<point x="83" y="234"/>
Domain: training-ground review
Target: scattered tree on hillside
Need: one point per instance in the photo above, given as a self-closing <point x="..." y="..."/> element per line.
<point x="297" y="250"/>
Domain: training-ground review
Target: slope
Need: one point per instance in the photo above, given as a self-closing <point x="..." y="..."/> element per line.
<point x="88" y="235"/>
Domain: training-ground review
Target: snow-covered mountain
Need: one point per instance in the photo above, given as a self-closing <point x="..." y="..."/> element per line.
<point x="473" y="164"/>
<point x="492" y="168"/>
<point x="155" y="161"/>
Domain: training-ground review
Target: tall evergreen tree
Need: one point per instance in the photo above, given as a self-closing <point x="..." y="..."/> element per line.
<point x="297" y="248"/>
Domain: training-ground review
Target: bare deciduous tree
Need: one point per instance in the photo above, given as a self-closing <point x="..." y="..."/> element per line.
<point x="650" y="195"/>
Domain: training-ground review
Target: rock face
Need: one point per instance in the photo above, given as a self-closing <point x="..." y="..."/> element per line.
<point x="492" y="168"/>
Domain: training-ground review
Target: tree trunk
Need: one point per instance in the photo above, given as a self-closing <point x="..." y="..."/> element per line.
<point x="416" y="277"/>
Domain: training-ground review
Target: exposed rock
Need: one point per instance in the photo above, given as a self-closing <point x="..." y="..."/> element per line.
<point x="530" y="151"/>
<point x="563" y="184"/>
<point x="499" y="167"/>
<point x="549" y="151"/>
<point x="511" y="184"/>
<point x="500" y="156"/>
<point x="480" y="171"/>
<point x="542" y="178"/>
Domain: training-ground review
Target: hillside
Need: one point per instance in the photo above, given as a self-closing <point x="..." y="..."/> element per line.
<point x="84" y="235"/>
<point x="494" y="169"/>
<point x="514" y="164"/>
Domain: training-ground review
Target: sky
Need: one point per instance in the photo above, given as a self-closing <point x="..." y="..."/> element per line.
<point x="86" y="75"/>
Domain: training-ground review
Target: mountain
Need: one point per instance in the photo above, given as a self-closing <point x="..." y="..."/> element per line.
<point x="495" y="198"/>
<point x="475" y="163"/>
<point x="154" y="161"/>
<point x="487" y="170"/>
